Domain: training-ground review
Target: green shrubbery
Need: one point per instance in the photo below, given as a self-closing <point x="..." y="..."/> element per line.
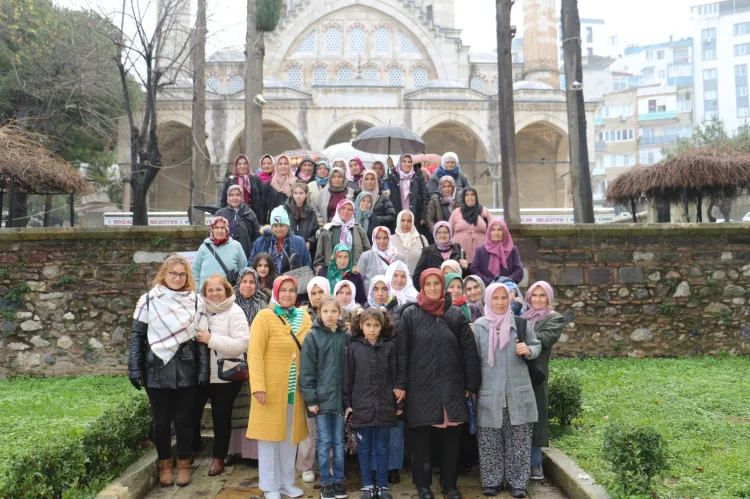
<point x="564" y="398"/>
<point x="637" y="454"/>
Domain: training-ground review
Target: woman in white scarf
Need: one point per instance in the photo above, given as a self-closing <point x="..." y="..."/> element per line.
<point x="383" y="253"/>
<point x="407" y="240"/>
<point x="401" y="284"/>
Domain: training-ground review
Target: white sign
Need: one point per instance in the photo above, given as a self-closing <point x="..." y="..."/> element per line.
<point x="169" y="219"/>
<point x="189" y="256"/>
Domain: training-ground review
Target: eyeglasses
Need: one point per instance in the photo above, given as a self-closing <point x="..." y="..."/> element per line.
<point x="178" y="275"/>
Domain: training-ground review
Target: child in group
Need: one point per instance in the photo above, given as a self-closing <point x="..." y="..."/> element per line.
<point x="370" y="395"/>
<point x="320" y="382"/>
<point x="345" y="293"/>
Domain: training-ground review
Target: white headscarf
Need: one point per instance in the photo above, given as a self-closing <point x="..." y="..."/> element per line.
<point x="340" y="285"/>
<point x="409" y="293"/>
<point x="452" y="264"/>
<point x="388" y="256"/>
<point x="407" y="238"/>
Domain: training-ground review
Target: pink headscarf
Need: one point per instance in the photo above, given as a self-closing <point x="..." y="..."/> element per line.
<point x="350" y="175"/>
<point x="498" y="250"/>
<point x="532" y="315"/>
<point x="346" y="234"/>
<point x="263" y="176"/>
<point x="243" y="180"/>
<point x="405" y="182"/>
<point x="283" y="182"/>
<point x="499" y="330"/>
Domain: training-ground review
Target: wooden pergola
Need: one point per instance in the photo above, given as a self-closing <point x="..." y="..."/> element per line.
<point x="26" y="166"/>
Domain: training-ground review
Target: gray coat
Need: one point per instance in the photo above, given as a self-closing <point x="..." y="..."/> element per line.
<point x="547" y="332"/>
<point x="507" y="379"/>
<point x="369" y="268"/>
<point x="331" y="233"/>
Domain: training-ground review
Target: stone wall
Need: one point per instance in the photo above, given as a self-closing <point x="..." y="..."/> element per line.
<point x="67" y="295"/>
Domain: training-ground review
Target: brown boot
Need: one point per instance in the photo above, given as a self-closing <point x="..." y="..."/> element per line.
<point x="166" y="473"/>
<point x="217" y="467"/>
<point x="183" y="472"/>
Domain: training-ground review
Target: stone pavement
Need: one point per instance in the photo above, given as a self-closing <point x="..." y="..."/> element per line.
<point x="241" y="482"/>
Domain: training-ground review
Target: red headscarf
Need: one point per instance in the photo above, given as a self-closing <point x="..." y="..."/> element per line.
<point x="243" y="180"/>
<point x="432" y="307"/>
<point x="498" y="250"/>
<point x="277" y="285"/>
<point x="218" y="242"/>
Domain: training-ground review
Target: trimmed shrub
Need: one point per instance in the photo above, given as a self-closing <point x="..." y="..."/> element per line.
<point x="564" y="398"/>
<point x="637" y="454"/>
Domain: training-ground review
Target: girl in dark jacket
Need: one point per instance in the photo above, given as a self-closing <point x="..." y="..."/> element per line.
<point x="243" y="224"/>
<point x="370" y="395"/>
<point x="304" y="221"/>
<point x="382" y="205"/>
<point x="254" y="191"/>
<point x="442" y="249"/>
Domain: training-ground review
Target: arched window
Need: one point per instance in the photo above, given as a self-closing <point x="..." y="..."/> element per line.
<point x="382" y="41"/>
<point x="294" y="76"/>
<point x="477" y="84"/>
<point x="333" y="41"/>
<point x="308" y="45"/>
<point x="345" y="73"/>
<point x="320" y="76"/>
<point x="236" y="84"/>
<point x="497" y="91"/>
<point x="370" y="73"/>
<point x="420" y="77"/>
<point x="395" y="77"/>
<point x="406" y="45"/>
<point x="213" y="84"/>
<point x="357" y="41"/>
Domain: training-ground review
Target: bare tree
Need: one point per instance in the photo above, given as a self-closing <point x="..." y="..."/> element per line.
<point x="200" y="149"/>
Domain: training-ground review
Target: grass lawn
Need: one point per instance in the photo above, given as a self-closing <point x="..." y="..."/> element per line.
<point x="701" y="406"/>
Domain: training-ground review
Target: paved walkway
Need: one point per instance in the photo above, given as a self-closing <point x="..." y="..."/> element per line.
<point x="241" y="482"/>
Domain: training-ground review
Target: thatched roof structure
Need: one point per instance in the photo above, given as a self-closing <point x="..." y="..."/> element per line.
<point x="697" y="173"/>
<point x="35" y="170"/>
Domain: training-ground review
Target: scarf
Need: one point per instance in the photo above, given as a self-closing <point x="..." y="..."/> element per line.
<point x="273" y="248"/>
<point x="265" y="177"/>
<point x="376" y="279"/>
<point x="432" y="307"/>
<point x="322" y="181"/>
<point x="453" y="264"/>
<point x="533" y="315"/>
<point x="251" y="306"/>
<point x="343" y="168"/>
<point x="441" y="171"/>
<point x="335" y="274"/>
<point x="498" y="250"/>
<point x="304" y="176"/>
<point x="353" y="289"/>
<point x="218" y="242"/>
<point x="480" y="282"/>
<point x="361" y="216"/>
<point x="217" y="308"/>
<point x="443" y="247"/>
<point x="470" y="213"/>
<point x="346" y="227"/>
<point x="461" y="302"/>
<point x="499" y="324"/>
<point x="405" y="181"/>
<point x="376" y="191"/>
<point x="292" y="315"/>
<point x="243" y="180"/>
<point x="388" y="255"/>
<point x="350" y="175"/>
<point x="283" y="182"/>
<point x="407" y="238"/>
<point x="343" y="186"/>
<point x="172" y="317"/>
<point x="447" y="199"/>
<point x="320" y="282"/>
<point x="409" y="293"/>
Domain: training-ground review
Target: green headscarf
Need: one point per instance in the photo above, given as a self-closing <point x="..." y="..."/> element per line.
<point x="335" y="274"/>
<point x="463" y="303"/>
<point x="363" y="217"/>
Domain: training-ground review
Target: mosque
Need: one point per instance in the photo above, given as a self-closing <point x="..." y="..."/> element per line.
<point x="335" y="65"/>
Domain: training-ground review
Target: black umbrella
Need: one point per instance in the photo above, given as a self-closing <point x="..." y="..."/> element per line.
<point x="208" y="208"/>
<point x="389" y="139"/>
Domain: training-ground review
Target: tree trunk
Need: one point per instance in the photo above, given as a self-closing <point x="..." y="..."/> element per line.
<point x="140" y="204"/>
<point x="511" y="206"/>
<point x="583" y="201"/>
<point x="200" y="149"/>
<point x="47" y="211"/>
<point x="256" y="51"/>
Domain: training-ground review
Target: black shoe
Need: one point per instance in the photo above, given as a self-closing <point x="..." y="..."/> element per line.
<point x="452" y="493"/>
<point x="394" y="476"/>
<point x="516" y="492"/>
<point x="367" y="493"/>
<point x="491" y="491"/>
<point x="326" y="492"/>
<point x="384" y="493"/>
<point x="339" y="490"/>
<point x="230" y="460"/>
<point x="425" y="493"/>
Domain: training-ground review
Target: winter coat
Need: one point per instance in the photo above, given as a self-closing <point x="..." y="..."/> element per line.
<point x="369" y="381"/>
<point x="547" y="332"/>
<point x="258" y="197"/>
<point x="269" y="359"/>
<point x="467" y="235"/>
<point x="375" y="221"/>
<point x="411" y="257"/>
<point x="418" y="197"/>
<point x="508" y="380"/>
<point x="437" y="364"/>
<point x="435" y="211"/>
<point x="205" y="264"/>
<point x="385" y="211"/>
<point x="322" y="199"/>
<point x="306" y="227"/>
<point x="243" y="225"/>
<point x="322" y="373"/>
<point x="356" y="279"/>
<point x="292" y="245"/>
<point x="331" y="233"/>
<point x="431" y="258"/>
<point x="230" y="334"/>
<point x="369" y="266"/>
<point x="433" y="186"/>
<point x="480" y="265"/>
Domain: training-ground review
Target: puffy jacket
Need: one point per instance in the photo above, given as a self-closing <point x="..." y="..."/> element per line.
<point x="437" y="364"/>
<point x="305" y="227"/>
<point x="322" y="368"/>
<point x="243" y="225"/>
<point x="369" y="381"/>
<point x="230" y="334"/>
<point x="385" y="211"/>
<point x="292" y="244"/>
<point x="205" y="263"/>
<point x="258" y="197"/>
<point x="431" y="258"/>
<point x="418" y="197"/>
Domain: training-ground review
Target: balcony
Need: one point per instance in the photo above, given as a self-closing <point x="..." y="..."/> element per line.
<point x="657" y="141"/>
<point x="684" y="106"/>
<point x="599" y="122"/>
<point x="598" y="172"/>
<point x="601" y="145"/>
<point x="665" y="115"/>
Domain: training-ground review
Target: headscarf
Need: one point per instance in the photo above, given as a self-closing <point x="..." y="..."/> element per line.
<point x="498" y="250"/>
<point x="482" y="286"/>
<point x="405" y="181"/>
<point x="441" y="171"/>
<point x="243" y="180"/>
<point x="373" y="281"/>
<point x="335" y="274"/>
<point x="218" y="242"/>
<point x="343" y="185"/>
<point x="407" y="238"/>
<point x="443" y="246"/>
<point x="376" y="191"/>
<point x="293" y="315"/>
<point x="462" y="302"/>
<point x="453" y="264"/>
<point x="432" y="307"/>
<point x="470" y="213"/>
<point x="303" y="177"/>
<point x="499" y="324"/>
<point x="353" y="289"/>
<point x="387" y="256"/>
<point x="283" y="182"/>
<point x="533" y="315"/>
<point x="322" y="181"/>
<point x="350" y="175"/>
<point x="235" y="187"/>
<point x="346" y="227"/>
<point x="251" y="305"/>
<point x="409" y="293"/>
<point x="447" y="199"/>
<point x="362" y="216"/>
<point x="320" y="282"/>
<point x="265" y="177"/>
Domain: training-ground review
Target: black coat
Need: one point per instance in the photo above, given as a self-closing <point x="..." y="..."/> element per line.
<point x="258" y="197"/>
<point x="385" y="211"/>
<point x="375" y="221"/>
<point x="431" y="258"/>
<point x="369" y="380"/>
<point x="305" y="227"/>
<point x="437" y="364"/>
<point x="243" y="225"/>
<point x="190" y="365"/>
<point x="418" y="197"/>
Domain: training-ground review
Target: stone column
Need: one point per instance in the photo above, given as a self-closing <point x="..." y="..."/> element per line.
<point x="540" y="42"/>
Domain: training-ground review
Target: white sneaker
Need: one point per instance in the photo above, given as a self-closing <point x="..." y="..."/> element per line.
<point x="291" y="491"/>
<point x="308" y="476"/>
<point x="272" y="494"/>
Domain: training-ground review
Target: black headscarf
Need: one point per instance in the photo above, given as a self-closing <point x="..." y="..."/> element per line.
<point x="470" y="213"/>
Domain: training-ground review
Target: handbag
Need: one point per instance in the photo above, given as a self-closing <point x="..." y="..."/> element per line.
<point x="233" y="369"/>
<point x="232" y="275"/>
<point x="302" y="274"/>
<point x="536" y="373"/>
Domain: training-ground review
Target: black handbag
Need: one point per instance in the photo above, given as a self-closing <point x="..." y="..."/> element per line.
<point x="233" y="369"/>
<point x="232" y="275"/>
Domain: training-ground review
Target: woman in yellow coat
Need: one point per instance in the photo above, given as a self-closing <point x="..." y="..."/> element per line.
<point x="277" y="415"/>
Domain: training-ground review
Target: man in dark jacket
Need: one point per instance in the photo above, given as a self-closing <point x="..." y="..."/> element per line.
<point x="418" y="197"/>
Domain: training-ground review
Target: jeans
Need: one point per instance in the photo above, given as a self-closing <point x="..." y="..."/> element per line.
<point x="330" y="436"/>
<point x="222" y="397"/>
<point x="395" y="448"/>
<point x="536" y="457"/>
<point x="172" y="405"/>
<point x="373" y="447"/>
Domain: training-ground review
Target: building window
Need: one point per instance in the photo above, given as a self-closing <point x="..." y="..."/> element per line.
<point x="308" y="45"/>
<point x="708" y="35"/>
<point x="741" y="49"/>
<point x="704" y="10"/>
<point x="741" y="28"/>
<point x="620" y="83"/>
<point x="477" y="84"/>
<point x="357" y="41"/>
<point x="618" y="135"/>
<point x="660" y="55"/>
<point x="682" y="55"/>
<point x="709" y="55"/>
<point x="613" y="40"/>
<point x="649" y="54"/>
<point x="370" y="73"/>
<point x="420" y="77"/>
<point x="711" y="94"/>
<point x="406" y="45"/>
<point x="740" y="70"/>
<point x="497" y="86"/>
<point x="710" y="74"/>
<point x="294" y="76"/>
<point x="661" y="74"/>
<point x="650" y="156"/>
<point x="320" y="76"/>
<point x="743" y="112"/>
<point x="589" y="34"/>
<point x="236" y="84"/>
<point x="742" y="91"/>
<point x="212" y="84"/>
<point x="395" y="77"/>
<point x="345" y="73"/>
<point x="589" y="51"/>
<point x="382" y="41"/>
<point x="333" y="41"/>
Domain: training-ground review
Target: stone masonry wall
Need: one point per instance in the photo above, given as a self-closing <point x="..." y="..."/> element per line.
<point x="67" y="295"/>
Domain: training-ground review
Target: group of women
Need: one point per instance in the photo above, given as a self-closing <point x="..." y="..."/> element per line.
<point x="457" y="334"/>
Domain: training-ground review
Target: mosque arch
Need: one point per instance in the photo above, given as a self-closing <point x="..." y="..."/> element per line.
<point x="276" y="139"/>
<point x="344" y="132"/>
<point x="543" y="164"/>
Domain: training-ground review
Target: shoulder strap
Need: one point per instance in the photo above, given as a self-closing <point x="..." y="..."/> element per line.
<point x="218" y="259"/>
<point x="294" y="337"/>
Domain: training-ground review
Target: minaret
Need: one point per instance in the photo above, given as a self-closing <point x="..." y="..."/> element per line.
<point x="540" y="39"/>
<point x="443" y="12"/>
<point x="174" y="50"/>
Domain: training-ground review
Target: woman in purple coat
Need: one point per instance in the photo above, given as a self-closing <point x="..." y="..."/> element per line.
<point x="497" y="257"/>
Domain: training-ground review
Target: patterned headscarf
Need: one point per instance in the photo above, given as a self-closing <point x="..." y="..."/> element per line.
<point x="405" y="181"/>
<point x="243" y="180"/>
<point x="352" y="288"/>
<point x="346" y="227"/>
<point x="218" y="242"/>
<point x="350" y="175"/>
<point x="443" y="246"/>
<point x="251" y="305"/>
<point x="335" y="274"/>
<point x="447" y="199"/>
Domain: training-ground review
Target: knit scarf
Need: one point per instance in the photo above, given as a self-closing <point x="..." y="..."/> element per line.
<point x="442" y="172"/>
<point x="251" y="306"/>
<point x="292" y="316"/>
<point x="499" y="324"/>
<point x="335" y="274"/>
<point x="217" y="308"/>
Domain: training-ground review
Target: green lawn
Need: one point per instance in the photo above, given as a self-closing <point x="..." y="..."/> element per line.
<point x="701" y="406"/>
